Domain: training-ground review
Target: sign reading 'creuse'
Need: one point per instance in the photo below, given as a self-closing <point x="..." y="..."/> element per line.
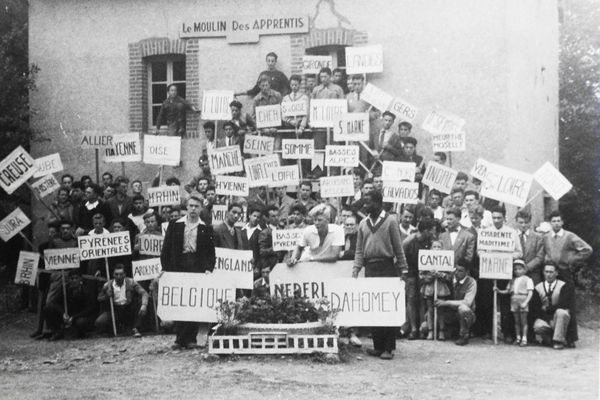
<point x="15" y="169"/>
<point x="102" y="246"/>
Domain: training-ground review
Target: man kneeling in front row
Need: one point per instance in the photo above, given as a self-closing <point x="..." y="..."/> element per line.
<point x="126" y="294"/>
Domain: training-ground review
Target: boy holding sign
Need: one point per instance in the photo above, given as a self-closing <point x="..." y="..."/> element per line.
<point x="293" y="103"/>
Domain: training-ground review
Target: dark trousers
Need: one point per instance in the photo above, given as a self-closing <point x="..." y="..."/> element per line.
<point x="186" y="332"/>
<point x="53" y="315"/>
<point x="484" y="302"/>
<point x="384" y="337"/>
<point x="126" y="317"/>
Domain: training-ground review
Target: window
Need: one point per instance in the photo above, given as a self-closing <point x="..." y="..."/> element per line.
<point x="337" y="52"/>
<point x="163" y="71"/>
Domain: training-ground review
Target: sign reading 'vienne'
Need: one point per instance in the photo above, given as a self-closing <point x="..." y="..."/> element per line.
<point x="61" y="258"/>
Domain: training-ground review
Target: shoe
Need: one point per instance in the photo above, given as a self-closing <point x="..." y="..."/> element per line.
<point x="441" y="336"/>
<point x="374" y="353"/>
<point x="523" y="342"/>
<point x="462" y="341"/>
<point x="386" y="355"/>
<point x="35" y="334"/>
<point x="558" y="346"/>
<point x="430" y="336"/>
<point x="413" y="335"/>
<point x="518" y="341"/>
<point x="177" y="346"/>
<point x="570" y="345"/>
<point x="44" y="335"/>
<point x="56" y="336"/>
<point x="136" y="333"/>
<point x="355" y="341"/>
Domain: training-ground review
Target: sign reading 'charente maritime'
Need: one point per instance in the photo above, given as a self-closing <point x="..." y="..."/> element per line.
<point x="243" y="29"/>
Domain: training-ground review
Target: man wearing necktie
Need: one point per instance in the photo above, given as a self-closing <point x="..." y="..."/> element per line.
<point x="532" y="245"/>
<point x="226" y="234"/>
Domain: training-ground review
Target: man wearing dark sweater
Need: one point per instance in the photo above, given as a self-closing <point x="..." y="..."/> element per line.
<point x="379" y="251"/>
<point x="90" y="208"/>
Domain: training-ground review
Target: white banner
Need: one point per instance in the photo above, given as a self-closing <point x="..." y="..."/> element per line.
<point x="313" y="64"/>
<point x="162" y="150"/>
<point x="294" y="108"/>
<point x="492" y="239"/>
<point x="268" y="116"/>
<point x="553" y="182"/>
<point x="218" y="213"/>
<point x="261" y="145"/>
<point x="215" y="105"/>
<point x="225" y="160"/>
<point x="236" y="266"/>
<point x="297" y="149"/>
<point x="336" y="186"/>
<point x="439" y="177"/>
<point x="258" y="170"/>
<point x="400" y="192"/>
<point x="144" y="270"/>
<point x="151" y="245"/>
<point x="231" y="185"/>
<point x="47" y="165"/>
<point x="402" y="110"/>
<point x="364" y="60"/>
<point x="504" y="184"/>
<point x="341" y="156"/>
<point x="125" y="148"/>
<point x="287" y="175"/>
<point x="286" y="239"/>
<point x="61" y="258"/>
<point x="164" y="196"/>
<point x="45" y="186"/>
<point x="376" y="97"/>
<point x="325" y="112"/>
<point x="495" y="266"/>
<point x="441" y="122"/>
<point x="102" y="246"/>
<point x="398" y="171"/>
<point x="436" y="260"/>
<point x="27" y="267"/>
<point x="449" y="141"/>
<point x="15" y="169"/>
<point x="12" y="224"/>
<point x="352" y="127"/>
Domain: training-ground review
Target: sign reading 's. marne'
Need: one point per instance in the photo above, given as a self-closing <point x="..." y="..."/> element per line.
<point x="102" y="246"/>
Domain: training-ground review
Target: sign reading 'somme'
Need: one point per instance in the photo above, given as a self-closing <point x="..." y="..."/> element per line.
<point x="102" y="246"/>
<point x="297" y="149"/>
<point x="15" y="169"/>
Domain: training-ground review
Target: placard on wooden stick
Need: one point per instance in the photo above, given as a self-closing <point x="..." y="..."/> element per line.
<point x="162" y="150"/>
<point x="325" y="112"/>
<point x="336" y="186"/>
<point x="16" y="169"/>
<point x="268" y="116"/>
<point x="57" y="259"/>
<point x="436" y="260"/>
<point x="103" y="246"/>
<point x="377" y="97"/>
<point x="494" y="240"/>
<point x="297" y="149"/>
<point x="400" y="192"/>
<point x="258" y="170"/>
<point x="47" y="165"/>
<point x="151" y="245"/>
<point x="398" y="171"/>
<point x="260" y="145"/>
<point x="439" y="177"/>
<point x="12" y="224"/>
<point x="215" y="104"/>
<point x="164" y="196"/>
<point x="495" y="266"/>
<point x="341" y="156"/>
<point x="45" y="186"/>
<point x="225" y="160"/>
<point x="287" y="175"/>
<point x="403" y="110"/>
<point x="144" y="270"/>
<point x="352" y="127"/>
<point x="27" y="267"/>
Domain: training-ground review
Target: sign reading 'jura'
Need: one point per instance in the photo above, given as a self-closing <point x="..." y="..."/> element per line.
<point x="192" y="297"/>
<point x="218" y="213"/>
<point x="398" y="171"/>
<point x="368" y="302"/>
<point x="12" y="224"/>
<point x="436" y="260"/>
<point x="151" y="245"/>
<point x="236" y="266"/>
<point x="552" y="181"/>
<point x="364" y="60"/>
<point x="325" y="112"/>
<point x="402" y="110"/>
<point x="502" y="183"/>
<point x="164" y="196"/>
<point x="268" y="116"/>
<point x="286" y="239"/>
<point x="313" y="64"/>
<point x="294" y="108"/>
<point x="376" y="97"/>
<point x="439" y="177"/>
<point x="400" y="192"/>
<point x="336" y="186"/>
<point x="61" y="258"/>
<point x="225" y="160"/>
<point x="231" y="185"/>
<point x="258" y="170"/>
<point x="341" y="156"/>
<point x="297" y="149"/>
<point x="162" y="150"/>
<point x="495" y="266"/>
<point x="125" y="148"/>
<point x="261" y="145"/>
<point x="102" y="246"/>
<point x="215" y="104"/>
<point x="27" y="267"/>
<point x="492" y="239"/>
<point x="15" y="169"/>
<point x="45" y="186"/>
<point x="144" y="270"/>
<point x="287" y="175"/>
<point x="352" y="127"/>
<point x="47" y="165"/>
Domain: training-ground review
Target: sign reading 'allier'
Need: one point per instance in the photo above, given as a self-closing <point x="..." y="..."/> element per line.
<point x="244" y="29"/>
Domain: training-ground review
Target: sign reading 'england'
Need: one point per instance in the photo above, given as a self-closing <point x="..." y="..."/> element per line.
<point x="236" y="266"/>
<point x="15" y="169"/>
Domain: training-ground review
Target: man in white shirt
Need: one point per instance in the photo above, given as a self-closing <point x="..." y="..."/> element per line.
<point x="471" y="199"/>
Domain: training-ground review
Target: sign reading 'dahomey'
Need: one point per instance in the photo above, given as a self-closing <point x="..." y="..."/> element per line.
<point x="218" y="213"/>
<point x="236" y="266"/>
<point x="215" y="104"/>
<point x="294" y="108"/>
<point x="376" y="97"/>
<point x="287" y="175"/>
<point x="492" y="239"/>
<point x="27" y="267"/>
<point x="398" y="171"/>
<point x="364" y="60"/>
<point x="15" y="169"/>
<point x="336" y="186"/>
<point x="286" y="239"/>
<point x="162" y="150"/>
<point x="436" y="260"/>
<point x="502" y="183"/>
<point x="226" y="185"/>
<point x="352" y="127"/>
<point x="402" y="110"/>
<point x="261" y="145"/>
<point x="12" y="224"/>
<point x="552" y="181"/>
<point x="225" y="160"/>
<point x="186" y="296"/>
<point x="495" y="266"/>
<point x="268" y="116"/>
<point x="297" y="149"/>
<point x="61" y="258"/>
<point x="400" y="192"/>
<point x="441" y="122"/>
<point x="125" y="148"/>
<point x="102" y="246"/>
<point x="151" y="245"/>
<point x="313" y="64"/>
<point x="164" y="196"/>
<point x="258" y="170"/>
<point x="439" y="177"/>
<point x="341" y="156"/>
<point x="368" y="302"/>
<point x="45" y="186"/>
<point x="325" y="112"/>
<point x="47" y="165"/>
<point x="144" y="270"/>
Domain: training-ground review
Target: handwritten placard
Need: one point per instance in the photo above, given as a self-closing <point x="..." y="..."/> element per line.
<point x="12" y="224"/>
<point x="313" y="64"/>
<point x="341" y="156"/>
<point x="400" y="192"/>
<point x="103" y="246"/>
<point x="268" y="116"/>
<point x="164" y="196"/>
<point x="261" y="145"/>
<point x="225" y="160"/>
<point x="27" y="267"/>
<point x="496" y="240"/>
<point x="286" y="239"/>
<point x="439" y="177"/>
<point x="352" y="127"/>
<point x="297" y="149"/>
<point x="325" y="112"/>
<point x="505" y="184"/>
<point x="218" y="213"/>
<point x="15" y="169"/>
<point x="61" y="258"/>
<point x="398" y="171"/>
<point x="364" y="60"/>
<point x="151" y="245"/>
<point x="215" y="104"/>
<point x="294" y="108"/>
<point x="236" y="266"/>
<point x="553" y="182"/>
<point x="403" y="110"/>
<point x="449" y="141"/>
<point x="376" y="97"/>
<point x="442" y="122"/>
<point x="162" y="150"/>
<point x="258" y="170"/>
<point x="45" y="186"/>
<point x="47" y="165"/>
<point x="287" y="175"/>
<point x="436" y="260"/>
<point x="495" y="266"/>
<point x="336" y="186"/>
<point x="144" y="270"/>
<point x="96" y="139"/>
<point x="125" y="148"/>
<point x="231" y="185"/>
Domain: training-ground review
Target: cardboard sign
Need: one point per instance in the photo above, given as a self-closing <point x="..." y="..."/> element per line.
<point x="164" y="227"/>
<point x="184" y="296"/>
<point x="27" y="267"/>
<point x="218" y="213"/>
<point x="439" y="177"/>
<point x="151" y="245"/>
<point x="368" y="301"/>
<point x="309" y="279"/>
<point x="164" y="196"/>
<point x="162" y="150"/>
<point x="261" y="145"/>
<point x="96" y="139"/>
<point x="376" y="97"/>
<point x="294" y="108"/>
<point x="61" y="258"/>
<point x="125" y="148"/>
<point x="403" y="110"/>
<point x="45" y="186"/>
<point x="492" y="239"/>
<point x="148" y="269"/>
<point x="400" y="192"/>
<point x="352" y="127"/>
<point x="231" y="185"/>
<point x="325" y="112"/>
<point x="449" y="141"/>
<point x="102" y="246"/>
<point x="495" y="266"/>
<point x="313" y="64"/>
<point x="236" y="267"/>
<point x="441" y="122"/>
<point x="47" y="165"/>
<point x="225" y="160"/>
<point x="15" y="169"/>
<point x="552" y="181"/>
<point x="215" y="104"/>
<point x="364" y="60"/>
<point x="268" y="116"/>
<point x="297" y="149"/>
<point x="341" y="156"/>
<point x="288" y="175"/>
<point x="12" y="224"/>
<point x="258" y="170"/>
<point x="398" y="171"/>
<point x="286" y="239"/>
<point x="504" y="184"/>
<point x="336" y="186"/>
<point x="436" y="260"/>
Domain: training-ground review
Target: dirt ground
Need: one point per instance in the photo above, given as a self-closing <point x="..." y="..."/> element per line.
<point x="128" y="368"/>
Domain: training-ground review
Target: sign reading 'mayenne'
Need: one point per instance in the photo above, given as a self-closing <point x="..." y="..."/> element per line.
<point x="151" y="245"/>
<point x="47" y="165"/>
<point x="313" y="64"/>
<point x="268" y="116"/>
<point x="164" y="196"/>
<point x="125" y="148"/>
<point x="325" y="112"/>
<point x="215" y="104"/>
<point x="102" y="246"/>
<point x="436" y="260"/>
<point x="224" y="160"/>
<point x="495" y="266"/>
<point x="162" y="150"/>
<point x="376" y="97"/>
<point x="341" y="156"/>
<point x="400" y="192"/>
<point x="226" y="185"/>
<point x="27" y="267"/>
<point x="439" y="177"/>
<point x="368" y="302"/>
<point x="297" y="149"/>
<point x="286" y="239"/>
<point x="364" y="60"/>
<point x="492" y="239"/>
<point x="45" y="186"/>
<point x="236" y="266"/>
<point x="336" y="186"/>
<point x="15" y="169"/>
<point x="184" y="296"/>
<point x="352" y="127"/>
<point x="258" y="170"/>
<point x="12" y="224"/>
<point x="61" y="258"/>
<point x="144" y="270"/>
<point x="398" y="171"/>
<point x="261" y="145"/>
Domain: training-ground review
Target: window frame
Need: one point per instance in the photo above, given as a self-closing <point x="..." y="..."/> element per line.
<point x="170" y="59"/>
